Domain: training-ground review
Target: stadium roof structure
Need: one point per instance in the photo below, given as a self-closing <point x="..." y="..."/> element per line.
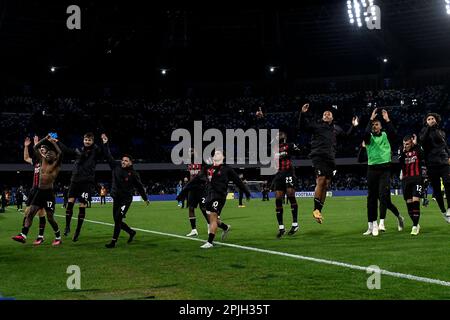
<point x="232" y="40"/>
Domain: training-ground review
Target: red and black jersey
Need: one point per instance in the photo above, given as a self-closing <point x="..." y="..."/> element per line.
<point x="284" y="154"/>
<point x="37" y="173"/>
<point x="412" y="162"/>
<point x="194" y="169"/>
<point x="216" y="179"/>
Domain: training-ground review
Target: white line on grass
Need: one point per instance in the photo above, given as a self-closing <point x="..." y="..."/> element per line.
<point x="295" y="256"/>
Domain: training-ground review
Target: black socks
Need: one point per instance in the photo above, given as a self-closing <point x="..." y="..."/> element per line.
<point x="318" y="205"/>
<point x="279" y="212"/>
<point x="42" y="222"/>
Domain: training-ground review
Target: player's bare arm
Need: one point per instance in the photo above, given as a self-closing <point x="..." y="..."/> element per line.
<point x="26" y="154"/>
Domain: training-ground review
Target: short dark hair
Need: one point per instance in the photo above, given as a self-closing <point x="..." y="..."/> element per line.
<point x="89" y="135"/>
<point x="47" y="145"/>
<point x="128" y="156"/>
<point x="408" y="137"/>
<point x="436" y="116"/>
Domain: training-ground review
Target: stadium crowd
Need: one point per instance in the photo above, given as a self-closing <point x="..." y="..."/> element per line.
<point x="148" y="124"/>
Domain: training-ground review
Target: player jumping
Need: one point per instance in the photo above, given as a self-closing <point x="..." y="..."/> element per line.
<point x="323" y="150"/>
<point x="36" y="165"/>
<point x="284" y="183"/>
<point x="44" y="196"/>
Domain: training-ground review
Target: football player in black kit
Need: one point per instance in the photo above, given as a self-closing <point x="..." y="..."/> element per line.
<point x="124" y="180"/>
<point x="411" y="158"/>
<point x="284" y="182"/>
<point x="217" y="177"/>
<point x="437" y="157"/>
<point x="82" y="182"/>
<point x="324" y="135"/>
<point x="195" y="195"/>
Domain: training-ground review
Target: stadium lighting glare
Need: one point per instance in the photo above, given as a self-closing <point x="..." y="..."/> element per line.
<point x="163" y="72"/>
<point x="52" y="69"/>
<point x="385" y="60"/>
<point x="272" y="69"/>
<point x="358" y="8"/>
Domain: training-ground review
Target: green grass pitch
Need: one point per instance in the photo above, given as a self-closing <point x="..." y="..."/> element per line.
<point x="163" y="267"/>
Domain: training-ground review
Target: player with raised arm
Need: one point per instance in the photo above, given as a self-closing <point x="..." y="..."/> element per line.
<point x="82" y="182"/>
<point x="411" y="158"/>
<point x="379" y="153"/>
<point x="124" y="181"/>
<point x="36" y="166"/>
<point x="44" y="196"/>
<point x="384" y="205"/>
<point x="324" y="134"/>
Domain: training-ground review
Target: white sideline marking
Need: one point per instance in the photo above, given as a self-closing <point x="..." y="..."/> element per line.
<point x="295" y="256"/>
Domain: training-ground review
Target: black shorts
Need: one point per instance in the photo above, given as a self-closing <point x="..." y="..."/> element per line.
<point x="30" y="197"/>
<point x="120" y="208"/>
<point x="324" y="167"/>
<point x="436" y="172"/>
<point x="284" y="180"/>
<point x="412" y="188"/>
<point x="196" y="197"/>
<point x="215" y="204"/>
<point x="81" y="191"/>
<point x="44" y="199"/>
